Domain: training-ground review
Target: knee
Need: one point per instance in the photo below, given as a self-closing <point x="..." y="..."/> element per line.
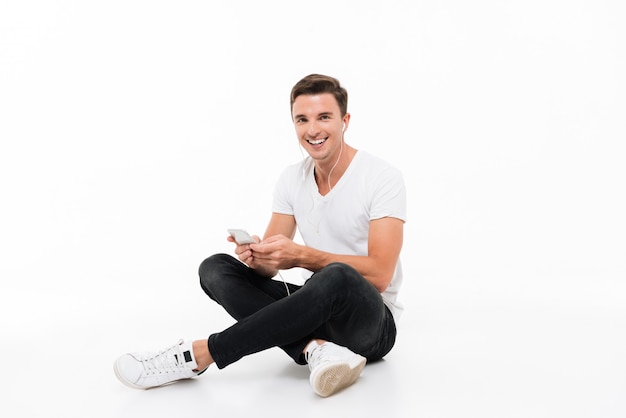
<point x="209" y="269"/>
<point x="342" y="270"/>
<point x="339" y="276"/>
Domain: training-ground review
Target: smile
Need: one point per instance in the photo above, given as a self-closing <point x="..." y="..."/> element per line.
<point x="317" y="141"/>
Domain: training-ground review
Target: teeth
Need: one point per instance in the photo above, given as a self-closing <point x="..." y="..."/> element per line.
<point x="319" y="141"/>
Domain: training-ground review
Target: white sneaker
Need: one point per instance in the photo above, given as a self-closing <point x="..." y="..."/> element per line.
<point x="151" y="369"/>
<point x="333" y="367"/>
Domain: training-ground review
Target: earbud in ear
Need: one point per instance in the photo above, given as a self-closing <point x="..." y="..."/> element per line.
<point x="344" y="128"/>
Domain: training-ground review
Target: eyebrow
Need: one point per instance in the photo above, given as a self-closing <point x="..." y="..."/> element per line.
<point x="320" y="114"/>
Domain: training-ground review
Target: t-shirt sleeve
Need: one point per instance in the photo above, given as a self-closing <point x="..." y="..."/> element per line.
<point x="282" y="202"/>
<point x="389" y="195"/>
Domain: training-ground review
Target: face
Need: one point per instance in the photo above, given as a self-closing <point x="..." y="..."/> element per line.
<point x="319" y="125"/>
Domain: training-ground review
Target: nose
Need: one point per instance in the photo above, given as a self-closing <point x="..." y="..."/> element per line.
<point x="312" y="129"/>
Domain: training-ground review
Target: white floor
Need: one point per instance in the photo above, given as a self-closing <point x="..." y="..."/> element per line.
<point x="461" y="352"/>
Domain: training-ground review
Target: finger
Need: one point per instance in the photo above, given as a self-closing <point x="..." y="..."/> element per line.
<point x="240" y="249"/>
<point x="261" y="248"/>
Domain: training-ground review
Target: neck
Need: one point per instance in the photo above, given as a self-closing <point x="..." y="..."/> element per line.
<point x="327" y="177"/>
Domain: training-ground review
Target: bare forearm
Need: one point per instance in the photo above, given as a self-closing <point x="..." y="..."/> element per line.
<point x="369" y="267"/>
<point x="280" y="252"/>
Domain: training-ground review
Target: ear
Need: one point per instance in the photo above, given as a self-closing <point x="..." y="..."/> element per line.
<point x="346" y="122"/>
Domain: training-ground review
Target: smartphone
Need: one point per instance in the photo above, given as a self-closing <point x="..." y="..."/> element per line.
<point x="241" y="236"/>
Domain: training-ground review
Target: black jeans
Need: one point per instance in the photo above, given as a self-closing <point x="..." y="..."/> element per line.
<point x="336" y="304"/>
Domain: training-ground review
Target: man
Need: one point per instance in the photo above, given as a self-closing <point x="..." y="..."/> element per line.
<point x="349" y="208"/>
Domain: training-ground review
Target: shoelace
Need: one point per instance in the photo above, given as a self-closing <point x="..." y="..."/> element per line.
<point x="169" y="360"/>
<point x="321" y="353"/>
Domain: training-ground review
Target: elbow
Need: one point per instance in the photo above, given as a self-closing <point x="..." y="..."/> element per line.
<point x="380" y="289"/>
<point x="382" y="283"/>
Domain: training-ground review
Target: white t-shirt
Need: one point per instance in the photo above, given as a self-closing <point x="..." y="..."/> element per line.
<point x="339" y="222"/>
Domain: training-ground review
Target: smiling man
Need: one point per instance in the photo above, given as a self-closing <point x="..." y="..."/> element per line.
<point x="349" y="207"/>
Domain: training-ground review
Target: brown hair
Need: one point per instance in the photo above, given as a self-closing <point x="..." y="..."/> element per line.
<point x="318" y="84"/>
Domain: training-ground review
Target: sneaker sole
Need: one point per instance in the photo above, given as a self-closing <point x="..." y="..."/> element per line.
<point x="334" y="378"/>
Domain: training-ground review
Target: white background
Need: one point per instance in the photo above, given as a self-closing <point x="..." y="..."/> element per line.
<point x="134" y="133"/>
